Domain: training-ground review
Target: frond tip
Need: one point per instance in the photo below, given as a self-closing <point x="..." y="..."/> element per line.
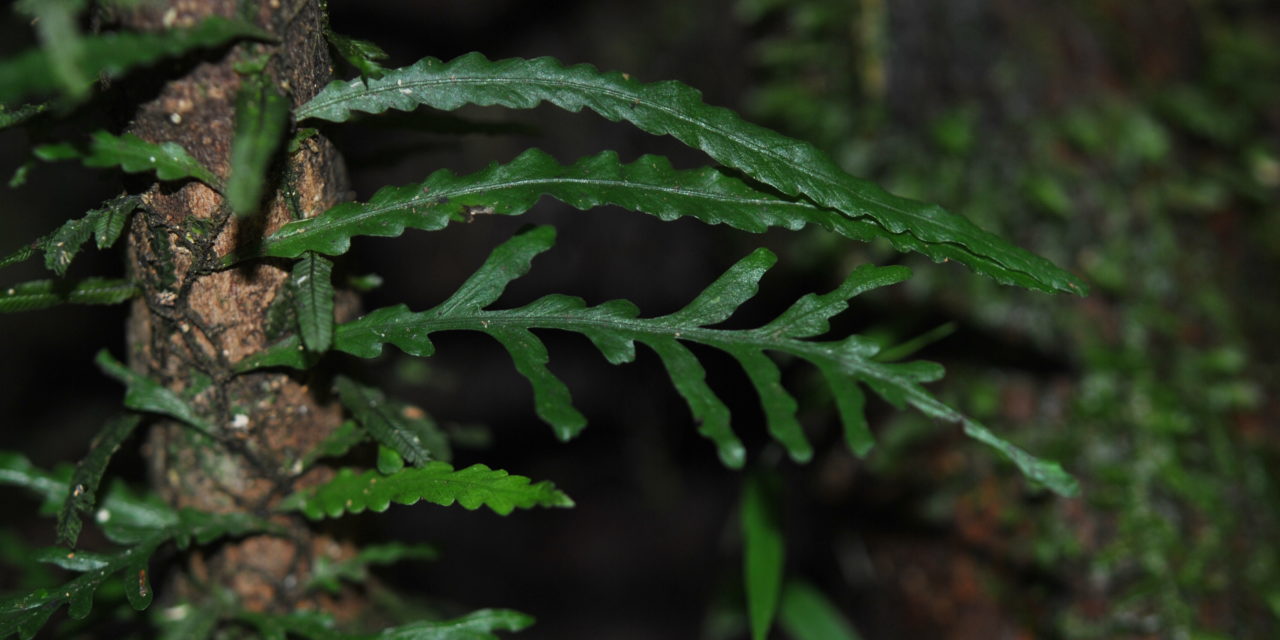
<point x="615" y="326"/>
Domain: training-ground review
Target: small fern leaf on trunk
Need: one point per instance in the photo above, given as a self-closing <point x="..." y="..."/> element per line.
<point x="84" y="481"/>
<point x="435" y="482"/>
<point x="261" y="116"/>
<point x="42" y="294"/>
<point x="402" y="428"/>
<point x="104" y="224"/>
<point x="312" y="283"/>
<point x="145" y="394"/>
<point x="796" y="168"/>
<point x="169" y="160"/>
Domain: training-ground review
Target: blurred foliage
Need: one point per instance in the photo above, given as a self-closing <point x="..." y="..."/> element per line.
<point x="1161" y="188"/>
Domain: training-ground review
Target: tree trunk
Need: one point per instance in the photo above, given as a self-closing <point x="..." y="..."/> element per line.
<point x="194" y="321"/>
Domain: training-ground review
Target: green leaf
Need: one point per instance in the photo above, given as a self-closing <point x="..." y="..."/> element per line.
<point x="614" y="327"/>
<point x="55" y="22"/>
<point x="762" y="552"/>
<point x="806" y="614"/>
<point x="110" y="55"/>
<point x="477" y="625"/>
<point x="169" y="160"/>
<point x="400" y="427"/>
<point x="436" y="482"/>
<point x="795" y="168"/>
<point x="312" y="282"/>
<point x="336" y="445"/>
<point x="88" y="474"/>
<point x="60" y="247"/>
<point x="145" y="394"/>
<point x="327" y="574"/>
<point x="261" y="115"/>
<point x="649" y="185"/>
<point x="10" y="117"/>
<point x="42" y="294"/>
<point x="361" y="54"/>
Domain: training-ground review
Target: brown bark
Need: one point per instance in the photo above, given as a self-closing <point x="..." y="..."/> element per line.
<point x="194" y="321"/>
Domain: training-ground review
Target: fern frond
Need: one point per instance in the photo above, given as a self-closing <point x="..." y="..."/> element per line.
<point x="169" y="160"/>
<point x="795" y="168"/>
<point x="88" y="474"/>
<point x="337" y="444"/>
<point x="477" y="625"/>
<point x="145" y="394"/>
<point x="649" y="185"/>
<point x="42" y="294"/>
<point x="614" y="327"/>
<point x="361" y="54"/>
<point x="105" y="224"/>
<point x="327" y="574"/>
<point x="763" y="552"/>
<point x="402" y="428"/>
<point x="806" y="614"/>
<point x="312" y="283"/>
<point x="10" y="117"/>
<point x="436" y="482"/>
<point x="112" y="54"/>
<point x="261" y="116"/>
<point x="56" y="24"/>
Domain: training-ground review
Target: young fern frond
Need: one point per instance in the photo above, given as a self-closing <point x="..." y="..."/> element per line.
<point x="105" y="225"/>
<point x="649" y="185"/>
<point x="327" y="574"/>
<point x="312" y="284"/>
<point x="404" y="429"/>
<point x="85" y="479"/>
<point x="614" y="327"/>
<point x="796" y="168"/>
<point x="42" y="294"/>
<point x="110" y="55"/>
<point x="145" y="394"/>
<point x="435" y="482"/>
<point x="169" y="160"/>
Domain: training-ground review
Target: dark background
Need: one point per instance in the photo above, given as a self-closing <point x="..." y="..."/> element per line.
<point x="1133" y="143"/>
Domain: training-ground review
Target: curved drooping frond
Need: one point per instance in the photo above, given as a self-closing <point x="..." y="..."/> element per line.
<point x="169" y="160"/>
<point x="436" y="482"/>
<point x="477" y="625"/>
<point x="262" y="114"/>
<point x="144" y="394"/>
<point x="649" y="185"/>
<point x="109" y="55"/>
<point x="615" y="326"/>
<point x="796" y="168"/>
<point x="83" y="485"/>
<point x="402" y="428"/>
<point x="42" y="294"/>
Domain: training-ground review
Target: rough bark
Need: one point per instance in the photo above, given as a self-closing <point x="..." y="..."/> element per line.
<point x="194" y="320"/>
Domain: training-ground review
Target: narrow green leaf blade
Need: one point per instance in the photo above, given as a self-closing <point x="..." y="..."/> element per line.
<point x="762" y="553"/>
<point x="551" y="398"/>
<point x="649" y="185"/>
<point x="361" y="54"/>
<point x="104" y="223"/>
<point x="12" y="117"/>
<point x="508" y="261"/>
<point x="42" y="294"/>
<point x="145" y="394"/>
<point x="55" y="22"/>
<point x="807" y="614"/>
<point x="110" y="55"/>
<point x="386" y="422"/>
<point x="690" y="380"/>
<point x="88" y="474"/>
<point x="261" y="115"/>
<point x="436" y="482"/>
<point x="793" y="167"/>
<point x="477" y="625"/>
<point x="312" y="282"/>
<point x="779" y="405"/>
<point x="169" y="160"/>
<point x="328" y="574"/>
<point x="721" y="298"/>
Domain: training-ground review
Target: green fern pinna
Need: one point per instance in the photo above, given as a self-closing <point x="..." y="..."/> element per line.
<point x="760" y="180"/>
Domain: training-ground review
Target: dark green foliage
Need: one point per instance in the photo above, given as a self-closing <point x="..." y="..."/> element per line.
<point x="763" y="552"/>
<point x="793" y="167"/>
<point x="261" y="116"/>
<point x="168" y="160"/>
<point x="42" y="294"/>
<point x="60" y="247"/>
<point x="88" y="474"/>
<point x="145" y="394"/>
<point x="312" y="285"/>
<point x="328" y="573"/>
<point x="361" y="54"/>
<point x="436" y="482"/>
<point x="109" y="55"/>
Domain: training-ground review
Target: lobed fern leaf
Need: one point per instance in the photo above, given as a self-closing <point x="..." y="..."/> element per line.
<point x="105" y="224"/>
<point x="312" y="283"/>
<point x="404" y="429"/>
<point x="42" y="294"/>
<point x="169" y="160"/>
<point x="614" y="327"/>
<point x="261" y="116"/>
<point x="143" y="523"/>
<point x="327" y="574"/>
<point x="145" y="394"/>
<point x="88" y="474"/>
<point x="649" y="185"/>
<point x="436" y="482"/>
<point x="795" y="168"/>
<point x="112" y="54"/>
